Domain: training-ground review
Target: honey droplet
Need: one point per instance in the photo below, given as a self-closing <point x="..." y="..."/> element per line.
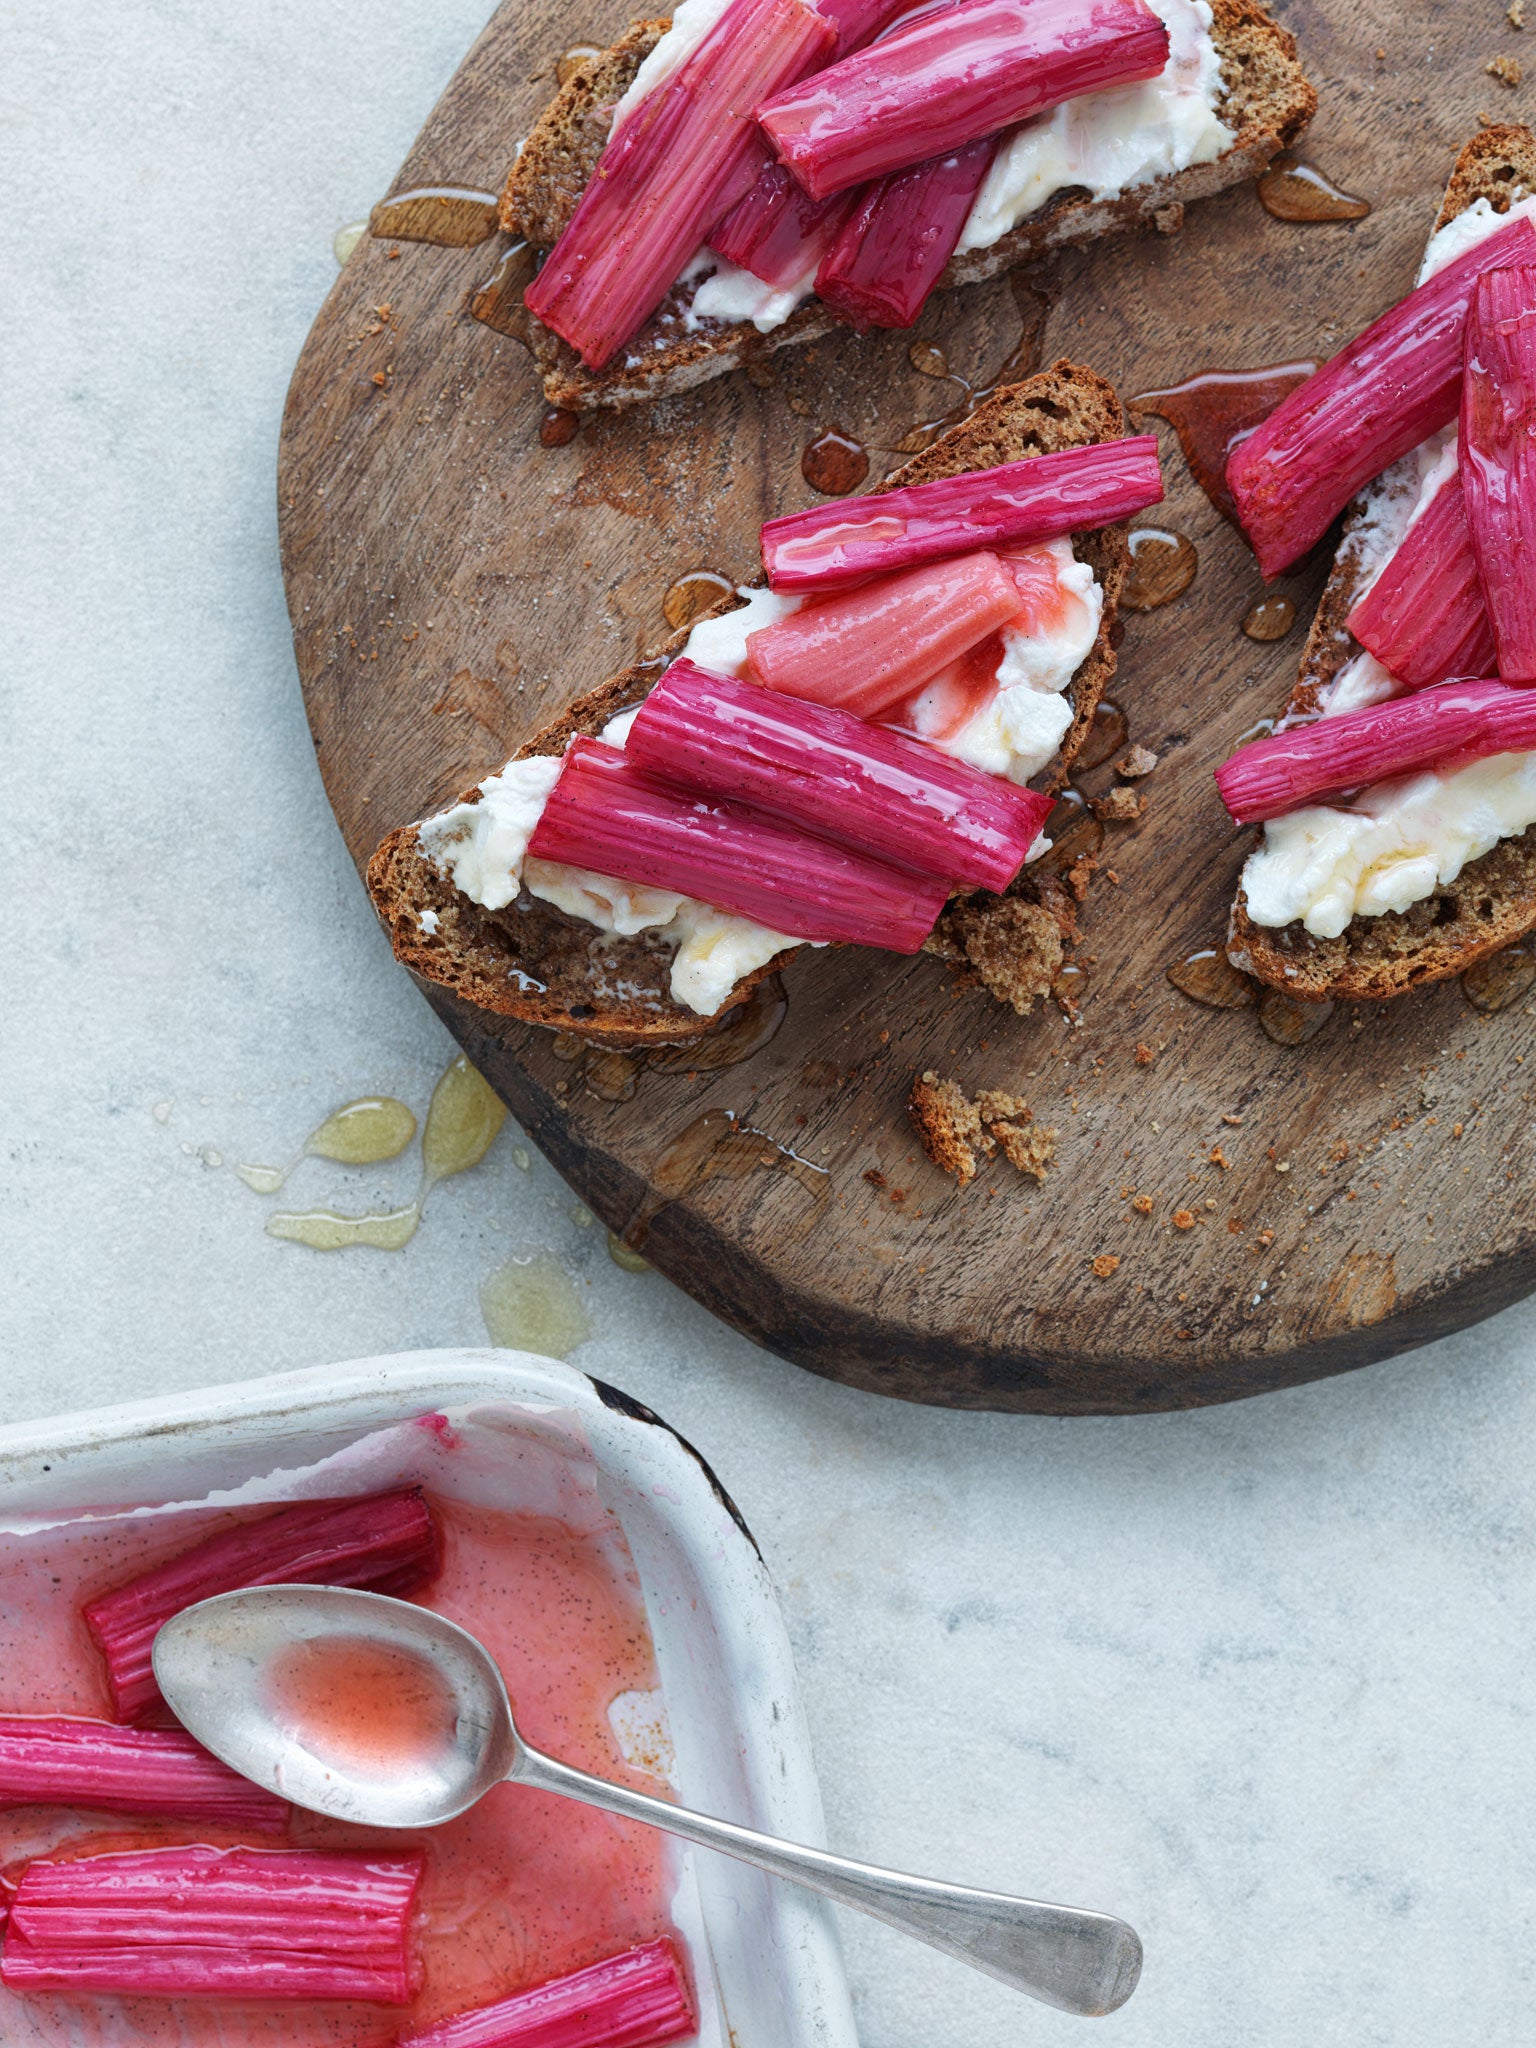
<point x="691" y="596"/>
<point x="1289" y="1022"/>
<point x="1106" y="735"/>
<point x="363" y="1133"/>
<point x="1499" y="982"/>
<point x="717" y="1146"/>
<point x="1214" y="410"/>
<point x="577" y="55"/>
<point x="499" y="301"/>
<point x="1271" y="619"/>
<point x="346" y="239"/>
<point x="1069" y="988"/>
<point x="835" y="464"/>
<point x="451" y="216"/>
<point x="464" y="1116"/>
<point x="531" y="1305"/>
<point x="558" y="427"/>
<point x="744" y="1032"/>
<point x="323" y="1230"/>
<point x="1163" y="566"/>
<point x="1209" y="977"/>
<point x="622" y="1256"/>
<point x="1259" y="730"/>
<point x="611" y="1076"/>
<point x="1293" y="190"/>
<point x="927" y="360"/>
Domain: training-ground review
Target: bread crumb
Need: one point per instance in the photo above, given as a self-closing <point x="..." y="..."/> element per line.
<point x="1184" y="1219"/>
<point x="1219" y="1158"/>
<point x="1105" y="1266"/>
<point x="1013" y="947"/>
<point x="1118" y="806"/>
<point x="958" y="1133"/>
<point x="1515" y="14"/>
<point x="1144" y="1054"/>
<point x="1142" y="1205"/>
<point x="1136" y="762"/>
<point x="1506" y="70"/>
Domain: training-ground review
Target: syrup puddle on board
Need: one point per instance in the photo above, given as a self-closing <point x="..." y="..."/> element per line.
<point x="531" y="1304"/>
<point x="718" y="1146"/>
<point x="464" y="1116"/>
<point x="346" y="239"/>
<point x="1271" y="619"/>
<point x="1106" y="735"/>
<point x="1297" y="191"/>
<point x="558" y="428"/>
<point x="498" y="303"/>
<point x="450" y="216"/>
<point x="613" y="1076"/>
<point x="835" y="464"/>
<point x="360" y="1133"/>
<point x="1288" y="1022"/>
<point x="1499" y="982"/>
<point x="369" y="1709"/>
<point x="1209" y="977"/>
<point x="1215" y="410"/>
<point x="691" y="596"/>
<point x="1033" y="302"/>
<point x="1163" y="566"/>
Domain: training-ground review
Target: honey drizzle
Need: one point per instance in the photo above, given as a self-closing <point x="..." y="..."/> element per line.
<point x="1296" y="191"/>
<point x="448" y="216"/>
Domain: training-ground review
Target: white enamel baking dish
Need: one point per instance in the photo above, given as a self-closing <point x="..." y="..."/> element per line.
<point x="769" y="1971"/>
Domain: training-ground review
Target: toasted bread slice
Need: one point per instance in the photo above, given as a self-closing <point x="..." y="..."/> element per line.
<point x="1492" y="902"/>
<point x="533" y="962"/>
<point x="1267" y="102"/>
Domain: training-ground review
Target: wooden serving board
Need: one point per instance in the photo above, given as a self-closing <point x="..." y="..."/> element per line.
<point x="452" y="582"/>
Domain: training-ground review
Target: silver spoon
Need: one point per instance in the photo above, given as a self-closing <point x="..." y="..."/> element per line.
<point x="220" y="1667"/>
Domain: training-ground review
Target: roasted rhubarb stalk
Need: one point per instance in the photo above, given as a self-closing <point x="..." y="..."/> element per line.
<point x="1498" y="459"/>
<point x="383" y="1542"/>
<point x="891" y="249"/>
<point x="864" y="650"/>
<point x="636" y="2000"/>
<point x="686" y="154"/>
<point x="1015" y="505"/>
<point x="1390" y="389"/>
<point x="1436" y="728"/>
<point x="953" y="77"/>
<point x="778" y="233"/>
<point x="216" y="1923"/>
<point x="860" y="785"/>
<point x="1424" y="618"/>
<point x="613" y="818"/>
<point x="60" y="1762"/>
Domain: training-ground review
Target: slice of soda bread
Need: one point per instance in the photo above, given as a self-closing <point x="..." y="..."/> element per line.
<point x="535" y="963"/>
<point x="1492" y="902"/>
<point x="1267" y="102"/>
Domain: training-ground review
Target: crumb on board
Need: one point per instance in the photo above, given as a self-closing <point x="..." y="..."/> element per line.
<point x="1119" y="806"/>
<point x="1142" y="1205"/>
<point x="1184" y="1219"/>
<point x="1515" y="14"/>
<point x="1105" y="1266"/>
<point x="1013" y="947"/>
<point x="1136" y="762"/>
<point x="957" y="1133"/>
<point x="1144" y="1054"/>
<point x="1506" y="70"/>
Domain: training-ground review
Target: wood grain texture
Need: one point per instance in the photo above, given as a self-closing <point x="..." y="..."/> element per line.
<point x="452" y="583"/>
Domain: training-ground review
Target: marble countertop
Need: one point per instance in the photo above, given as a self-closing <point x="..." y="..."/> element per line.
<point x="1258" y="1678"/>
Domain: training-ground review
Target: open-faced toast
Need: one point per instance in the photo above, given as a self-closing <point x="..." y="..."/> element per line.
<point x="538" y="964"/>
<point x="1492" y="902"/>
<point x="1266" y="103"/>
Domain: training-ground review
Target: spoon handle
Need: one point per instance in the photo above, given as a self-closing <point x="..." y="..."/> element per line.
<point x="1081" y="1962"/>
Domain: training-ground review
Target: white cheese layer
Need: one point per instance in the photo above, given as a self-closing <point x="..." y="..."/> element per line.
<point x="692" y="21"/>
<point x="1110" y="141"/>
<point x="1398" y="841"/>
<point x="732" y="294"/>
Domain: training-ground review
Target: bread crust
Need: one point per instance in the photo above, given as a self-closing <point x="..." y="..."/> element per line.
<point x="1267" y="103"/>
<point x="1492" y="902"/>
<point x="534" y="963"/>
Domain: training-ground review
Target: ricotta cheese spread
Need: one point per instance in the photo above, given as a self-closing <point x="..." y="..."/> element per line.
<point x="1109" y="141"/>
<point x="1398" y="841"/>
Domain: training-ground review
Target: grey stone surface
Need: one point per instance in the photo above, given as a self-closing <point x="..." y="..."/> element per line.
<point x="1260" y="1678"/>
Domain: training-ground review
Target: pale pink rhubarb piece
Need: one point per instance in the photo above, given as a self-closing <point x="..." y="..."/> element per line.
<point x="216" y="1923"/>
<point x="687" y="153"/>
<point x="1018" y="504"/>
<point x="778" y="233"/>
<point x="383" y="1542"/>
<point x="611" y="817"/>
<point x="953" y="77"/>
<point x="1390" y="389"/>
<point x="892" y="248"/>
<point x="59" y="1762"/>
<point x="1439" y="728"/>
<point x="864" y="650"/>
<point x="1498" y="459"/>
<point x="636" y="2000"/>
<point x="1424" y="618"/>
<point x="860" y="785"/>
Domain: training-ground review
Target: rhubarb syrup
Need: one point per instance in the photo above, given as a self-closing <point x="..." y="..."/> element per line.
<point x="1209" y="978"/>
<point x="498" y="303"/>
<point x="1214" y="411"/>
<point x="1270" y="619"/>
<point x="1289" y="1022"/>
<point x="717" y="1146"/>
<point x="1297" y="191"/>
<point x="691" y="596"/>
<point x="1500" y="981"/>
<point x="835" y="464"/>
<point x="368" y="1709"/>
<point x="1163" y="566"/>
<point x="452" y="216"/>
<point x="521" y="1888"/>
<point x="558" y="428"/>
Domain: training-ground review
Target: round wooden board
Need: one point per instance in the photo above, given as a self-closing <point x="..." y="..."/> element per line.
<point x="452" y="582"/>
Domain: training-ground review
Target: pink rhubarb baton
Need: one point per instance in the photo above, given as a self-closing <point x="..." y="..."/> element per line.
<point x="864" y="650"/>
<point x="1441" y="727"/>
<point x="689" y="150"/>
<point x="1498" y="459"/>
<point x="611" y="817"/>
<point x="1424" y="618"/>
<point x="127" y="1770"/>
<point x="1391" y="388"/>
<point x="636" y="2000"/>
<point x="861" y="785"/>
<point x="892" y="248"/>
<point x="777" y="233"/>
<point x="383" y="1542"/>
<point x="953" y="77"/>
<point x="1017" y="504"/>
<point x="216" y="1923"/>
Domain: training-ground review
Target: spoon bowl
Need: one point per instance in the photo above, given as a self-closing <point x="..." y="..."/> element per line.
<point x="375" y="1711"/>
